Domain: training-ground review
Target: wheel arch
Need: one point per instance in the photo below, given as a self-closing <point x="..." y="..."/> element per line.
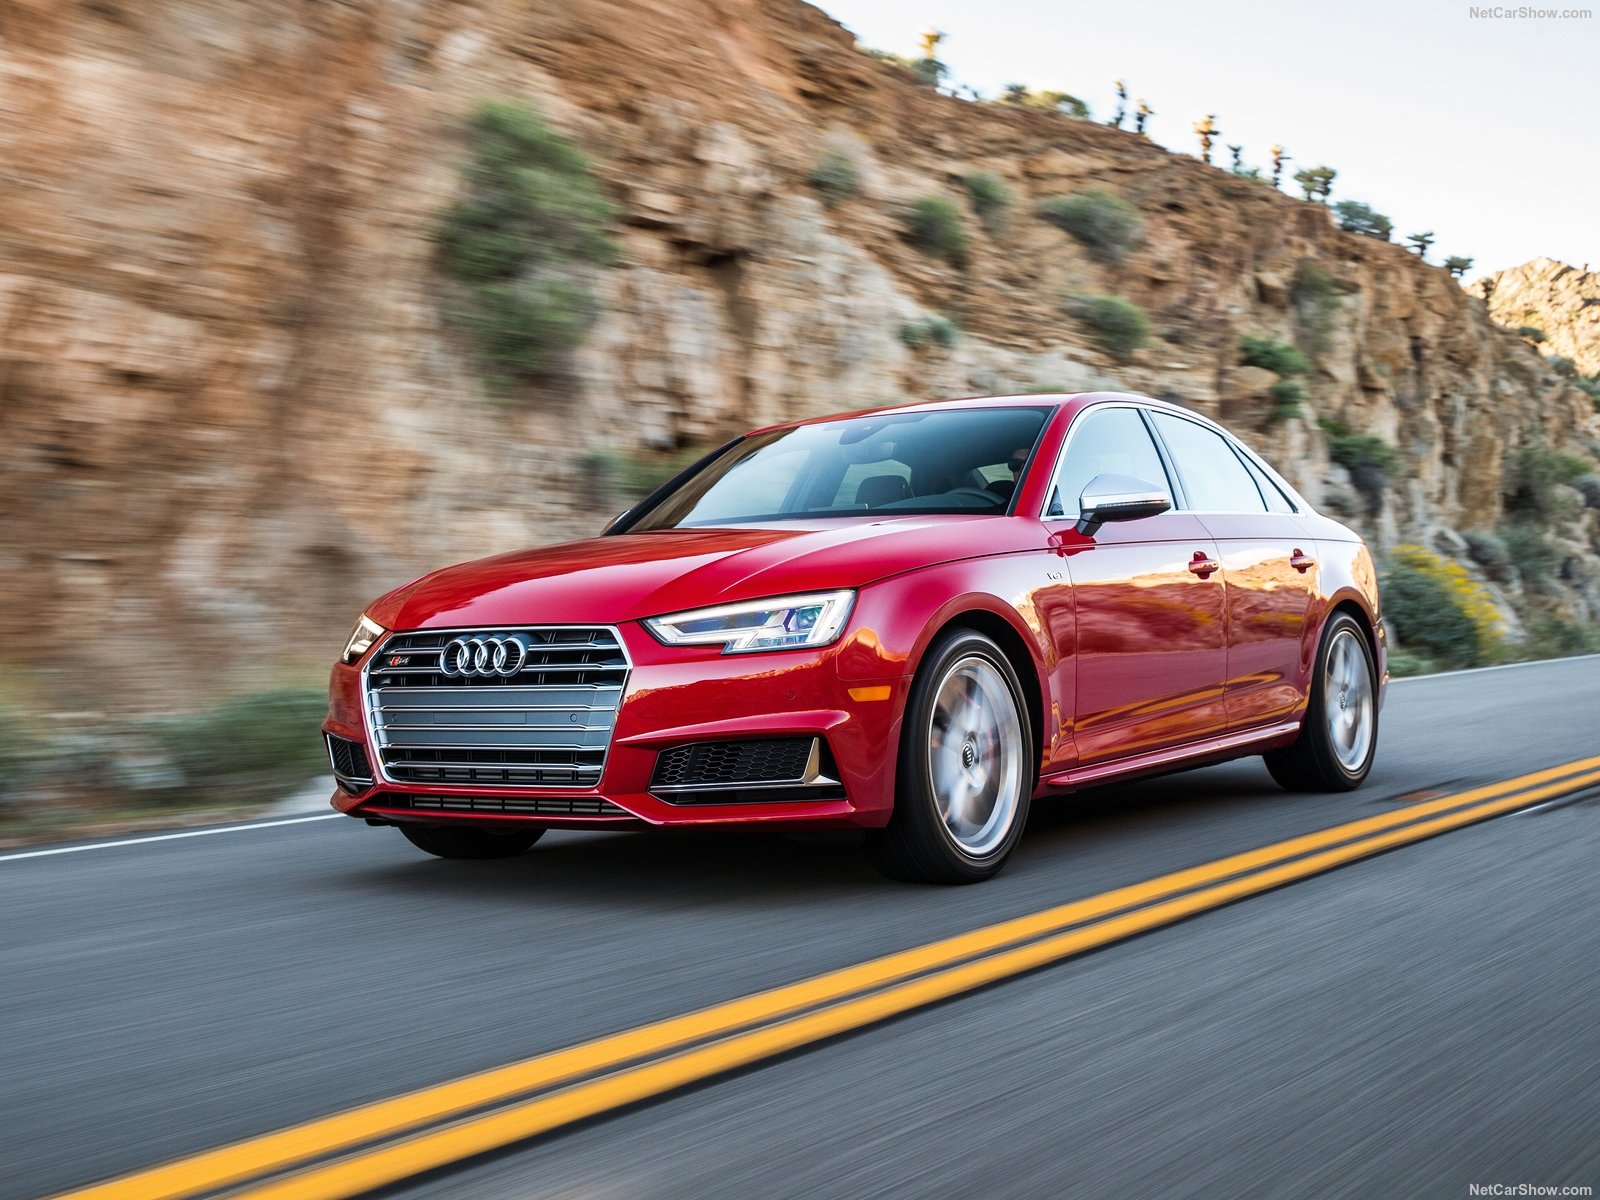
<point x="1012" y="644"/>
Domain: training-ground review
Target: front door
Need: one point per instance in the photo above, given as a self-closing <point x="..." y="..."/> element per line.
<point x="1147" y="636"/>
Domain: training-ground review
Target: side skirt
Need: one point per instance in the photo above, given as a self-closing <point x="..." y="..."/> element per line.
<point x="1191" y="754"/>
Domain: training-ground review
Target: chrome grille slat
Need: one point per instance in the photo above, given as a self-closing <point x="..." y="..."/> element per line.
<point x="430" y="728"/>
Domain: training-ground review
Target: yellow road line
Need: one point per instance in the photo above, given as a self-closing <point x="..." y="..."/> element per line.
<point x="426" y="1151"/>
<point x="259" y="1156"/>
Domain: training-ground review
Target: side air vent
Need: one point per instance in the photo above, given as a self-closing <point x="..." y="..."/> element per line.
<point x="351" y="770"/>
<point x="746" y="772"/>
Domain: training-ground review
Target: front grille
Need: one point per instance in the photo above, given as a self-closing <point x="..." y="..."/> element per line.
<point x="537" y="806"/>
<point x="547" y="725"/>
<point x="769" y="761"/>
<point x="351" y="770"/>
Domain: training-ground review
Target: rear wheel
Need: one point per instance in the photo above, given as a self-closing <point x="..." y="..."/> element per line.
<point x="466" y="841"/>
<point x="1339" y="738"/>
<point x="965" y="771"/>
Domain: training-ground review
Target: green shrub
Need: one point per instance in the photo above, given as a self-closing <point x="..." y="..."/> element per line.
<point x="1358" y="450"/>
<point x="1588" y="487"/>
<point x="1562" y="365"/>
<point x="1119" y="325"/>
<point x="521" y="244"/>
<point x="1489" y="551"/>
<point x="1590" y="385"/>
<point x="1107" y="225"/>
<point x="1369" y="459"/>
<point x="934" y="227"/>
<point x="1533" y="554"/>
<point x="624" y="477"/>
<point x="1356" y="217"/>
<point x="991" y="199"/>
<point x="1316" y="298"/>
<point x="941" y="331"/>
<point x="1532" y="332"/>
<point x="836" y="177"/>
<point x="1534" y="473"/>
<point x="1403" y="662"/>
<point x="1436" y="609"/>
<point x="1555" y="637"/>
<point x="1260" y="350"/>
<point x="253" y="748"/>
<point x="1288" y="397"/>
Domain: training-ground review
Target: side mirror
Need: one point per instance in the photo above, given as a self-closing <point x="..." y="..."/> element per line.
<point x="1119" y="498"/>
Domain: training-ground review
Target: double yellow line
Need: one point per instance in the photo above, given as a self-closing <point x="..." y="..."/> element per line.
<point x="382" y="1143"/>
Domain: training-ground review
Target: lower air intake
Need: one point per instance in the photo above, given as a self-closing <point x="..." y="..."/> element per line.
<point x="746" y="771"/>
<point x="521" y="806"/>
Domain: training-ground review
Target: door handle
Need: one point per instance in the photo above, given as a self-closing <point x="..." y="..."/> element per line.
<point x="1301" y="561"/>
<point x="1202" y="565"/>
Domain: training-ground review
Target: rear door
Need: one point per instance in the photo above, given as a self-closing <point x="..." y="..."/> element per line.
<point x="1146" y="634"/>
<point x="1268" y="569"/>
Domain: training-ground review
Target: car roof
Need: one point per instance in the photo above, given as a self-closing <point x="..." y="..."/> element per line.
<point x="1071" y="400"/>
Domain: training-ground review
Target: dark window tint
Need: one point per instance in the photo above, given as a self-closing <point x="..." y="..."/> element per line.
<point x="1213" y="477"/>
<point x="1105" y="441"/>
<point x="1276" y="501"/>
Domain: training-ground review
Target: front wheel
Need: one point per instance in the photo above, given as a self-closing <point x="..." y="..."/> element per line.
<point x="465" y="841"/>
<point x="1339" y="737"/>
<point x="966" y="767"/>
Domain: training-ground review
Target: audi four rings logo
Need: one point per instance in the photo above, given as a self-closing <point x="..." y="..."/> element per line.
<point x="483" y="657"/>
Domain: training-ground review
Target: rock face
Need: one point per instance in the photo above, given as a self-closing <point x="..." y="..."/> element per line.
<point x="230" y="412"/>
<point x="1561" y="301"/>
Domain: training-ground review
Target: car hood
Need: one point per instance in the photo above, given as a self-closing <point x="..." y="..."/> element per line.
<point x="625" y="577"/>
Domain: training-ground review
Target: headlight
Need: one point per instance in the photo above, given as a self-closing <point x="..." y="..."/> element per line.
<point x="782" y="623"/>
<point x="366" y="632"/>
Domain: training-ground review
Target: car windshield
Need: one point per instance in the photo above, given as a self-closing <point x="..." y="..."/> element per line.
<point x="943" y="461"/>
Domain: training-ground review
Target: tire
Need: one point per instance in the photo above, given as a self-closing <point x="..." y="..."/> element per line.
<point x="465" y="841"/>
<point x="1336" y="746"/>
<point x="966" y="768"/>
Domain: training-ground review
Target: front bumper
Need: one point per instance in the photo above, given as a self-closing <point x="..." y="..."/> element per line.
<point x="680" y="695"/>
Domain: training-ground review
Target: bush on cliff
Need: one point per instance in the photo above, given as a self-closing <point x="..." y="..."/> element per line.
<point x="1535" y="472"/>
<point x="1437" y="609"/>
<point x="934" y="227"/>
<point x="1119" y="325"/>
<point x="991" y="199"/>
<point x="1356" y="217"/>
<point x="1107" y="225"/>
<point x="836" y="177"/>
<point x="522" y="244"/>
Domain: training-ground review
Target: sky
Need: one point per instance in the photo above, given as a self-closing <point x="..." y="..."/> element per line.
<point x="1483" y="131"/>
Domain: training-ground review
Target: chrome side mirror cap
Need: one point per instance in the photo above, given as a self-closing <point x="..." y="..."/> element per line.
<point x="1119" y="498"/>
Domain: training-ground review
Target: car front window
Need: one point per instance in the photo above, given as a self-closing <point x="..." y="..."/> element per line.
<point x="905" y="463"/>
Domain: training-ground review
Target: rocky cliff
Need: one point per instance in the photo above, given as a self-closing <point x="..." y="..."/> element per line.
<point x="1558" y="301"/>
<point x="230" y="410"/>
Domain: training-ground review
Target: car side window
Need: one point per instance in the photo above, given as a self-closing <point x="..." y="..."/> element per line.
<point x="1276" y="501"/>
<point x="1214" y="479"/>
<point x="1105" y="441"/>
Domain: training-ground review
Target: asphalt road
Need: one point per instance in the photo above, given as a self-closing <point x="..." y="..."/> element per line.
<point x="1405" y="1026"/>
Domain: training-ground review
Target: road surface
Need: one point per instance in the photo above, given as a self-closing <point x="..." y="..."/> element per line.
<point x="1406" y="1025"/>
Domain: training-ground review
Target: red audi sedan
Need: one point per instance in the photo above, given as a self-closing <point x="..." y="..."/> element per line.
<point x="912" y="622"/>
